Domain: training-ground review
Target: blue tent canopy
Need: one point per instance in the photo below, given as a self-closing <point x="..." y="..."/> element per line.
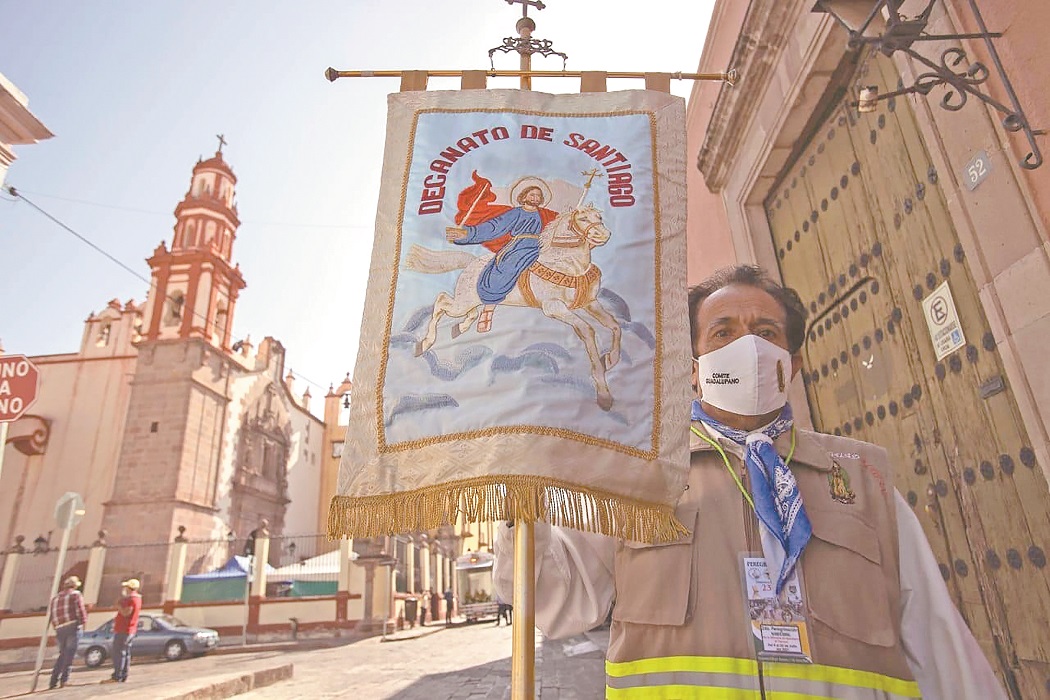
<point x="228" y="582"/>
<point x="236" y="567"/>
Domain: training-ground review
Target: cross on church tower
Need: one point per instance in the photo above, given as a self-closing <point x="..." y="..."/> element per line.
<point x="222" y="141"/>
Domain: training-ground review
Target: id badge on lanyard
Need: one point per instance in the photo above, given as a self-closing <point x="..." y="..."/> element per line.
<point x="778" y="623"/>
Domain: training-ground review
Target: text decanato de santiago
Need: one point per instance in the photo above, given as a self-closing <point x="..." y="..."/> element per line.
<point x="617" y="165"/>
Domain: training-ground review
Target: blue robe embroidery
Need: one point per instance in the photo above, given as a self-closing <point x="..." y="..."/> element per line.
<point x="501" y="273"/>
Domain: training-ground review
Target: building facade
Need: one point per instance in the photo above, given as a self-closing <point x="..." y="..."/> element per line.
<point x="161" y="420"/>
<point x="18" y="126"/>
<point x="892" y="224"/>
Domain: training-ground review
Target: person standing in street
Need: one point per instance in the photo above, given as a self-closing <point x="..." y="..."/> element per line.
<point x="423" y="601"/>
<point x="502" y="611"/>
<point x="125" y="624"/>
<point x="448" y="606"/>
<point x="68" y="617"/>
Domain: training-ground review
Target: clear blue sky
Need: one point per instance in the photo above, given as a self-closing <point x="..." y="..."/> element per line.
<point x="135" y="91"/>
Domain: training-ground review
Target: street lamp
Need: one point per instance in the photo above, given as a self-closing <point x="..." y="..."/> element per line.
<point x="890" y="26"/>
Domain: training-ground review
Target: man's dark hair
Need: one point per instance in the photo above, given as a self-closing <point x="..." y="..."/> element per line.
<point x="752" y="276"/>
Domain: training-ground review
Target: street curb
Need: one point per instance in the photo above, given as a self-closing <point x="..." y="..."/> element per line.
<point x="391" y="638"/>
<point x="234" y="685"/>
<point x="285" y="646"/>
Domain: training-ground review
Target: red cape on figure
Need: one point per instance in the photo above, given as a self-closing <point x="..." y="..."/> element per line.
<point x="485" y="209"/>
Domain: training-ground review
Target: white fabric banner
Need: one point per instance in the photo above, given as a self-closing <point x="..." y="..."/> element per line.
<point x="524" y="349"/>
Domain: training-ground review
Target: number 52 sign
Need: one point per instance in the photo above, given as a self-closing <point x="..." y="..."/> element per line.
<point x="976" y="170"/>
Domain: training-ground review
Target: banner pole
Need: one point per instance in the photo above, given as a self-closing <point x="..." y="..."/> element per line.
<point x="523" y="639"/>
<point x="523" y="649"/>
<point x="729" y="76"/>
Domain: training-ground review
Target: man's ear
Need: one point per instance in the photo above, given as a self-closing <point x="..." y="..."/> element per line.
<point x="695" y="375"/>
<point x="796" y="364"/>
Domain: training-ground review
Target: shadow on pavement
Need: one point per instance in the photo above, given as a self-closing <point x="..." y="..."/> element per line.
<point x="566" y="669"/>
<point x="491" y="680"/>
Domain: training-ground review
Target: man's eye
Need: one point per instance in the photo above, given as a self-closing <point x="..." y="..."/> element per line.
<point x="766" y="333"/>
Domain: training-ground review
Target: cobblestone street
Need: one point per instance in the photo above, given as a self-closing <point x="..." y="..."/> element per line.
<point x="465" y="661"/>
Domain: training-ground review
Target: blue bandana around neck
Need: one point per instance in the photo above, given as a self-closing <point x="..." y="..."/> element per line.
<point x="778" y="502"/>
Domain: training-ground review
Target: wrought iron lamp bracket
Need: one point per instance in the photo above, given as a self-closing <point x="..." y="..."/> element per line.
<point x="961" y="77"/>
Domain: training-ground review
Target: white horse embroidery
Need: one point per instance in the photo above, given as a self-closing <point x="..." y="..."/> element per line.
<point x="562" y="281"/>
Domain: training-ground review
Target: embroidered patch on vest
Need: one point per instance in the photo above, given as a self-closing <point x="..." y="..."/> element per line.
<point x="875" y="474"/>
<point x="838" y="483"/>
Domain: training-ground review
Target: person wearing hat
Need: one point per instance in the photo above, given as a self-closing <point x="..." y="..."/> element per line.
<point x="125" y="624"/>
<point x="68" y="616"/>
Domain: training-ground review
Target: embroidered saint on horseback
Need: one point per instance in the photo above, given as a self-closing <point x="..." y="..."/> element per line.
<point x="540" y="259"/>
<point x="512" y="233"/>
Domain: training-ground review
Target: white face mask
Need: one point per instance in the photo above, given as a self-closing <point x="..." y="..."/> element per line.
<point x="748" y="377"/>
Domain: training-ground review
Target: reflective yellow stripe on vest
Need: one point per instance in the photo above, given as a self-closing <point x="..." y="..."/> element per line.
<point x="704" y="678"/>
<point x="682" y="677"/>
<point x="791" y="681"/>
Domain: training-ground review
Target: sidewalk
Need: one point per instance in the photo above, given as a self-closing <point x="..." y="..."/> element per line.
<point x="224" y="672"/>
<point x="418" y="631"/>
<point x="145" y="682"/>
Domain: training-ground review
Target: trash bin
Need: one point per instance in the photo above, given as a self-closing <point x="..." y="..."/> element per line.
<point x="410" y="611"/>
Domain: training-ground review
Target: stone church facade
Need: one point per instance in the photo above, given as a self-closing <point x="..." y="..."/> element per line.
<point x="161" y="419"/>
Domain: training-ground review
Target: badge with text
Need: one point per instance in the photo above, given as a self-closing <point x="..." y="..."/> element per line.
<point x="778" y="624"/>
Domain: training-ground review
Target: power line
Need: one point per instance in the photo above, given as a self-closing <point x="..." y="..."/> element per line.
<point x="69" y="229"/>
<point x="154" y="212"/>
<point x="15" y="193"/>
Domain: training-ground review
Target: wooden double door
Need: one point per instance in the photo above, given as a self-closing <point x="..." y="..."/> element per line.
<point x="860" y="222"/>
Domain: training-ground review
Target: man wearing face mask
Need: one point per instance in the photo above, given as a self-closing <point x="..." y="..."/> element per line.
<point x="805" y="573"/>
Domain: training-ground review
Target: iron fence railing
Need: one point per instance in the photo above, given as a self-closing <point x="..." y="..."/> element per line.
<point x="216" y="570"/>
<point x="36" y="572"/>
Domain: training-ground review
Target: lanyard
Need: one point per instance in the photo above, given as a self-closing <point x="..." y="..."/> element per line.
<point x="729" y="468"/>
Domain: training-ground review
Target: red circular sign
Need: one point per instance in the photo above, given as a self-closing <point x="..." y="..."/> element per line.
<point x="18" y="385"/>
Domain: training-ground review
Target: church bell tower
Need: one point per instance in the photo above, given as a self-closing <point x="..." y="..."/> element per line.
<point x="195" y="286"/>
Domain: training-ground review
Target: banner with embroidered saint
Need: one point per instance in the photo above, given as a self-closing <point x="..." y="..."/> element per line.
<point x="524" y="347"/>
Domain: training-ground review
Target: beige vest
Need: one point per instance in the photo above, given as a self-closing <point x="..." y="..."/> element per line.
<point x="686" y="599"/>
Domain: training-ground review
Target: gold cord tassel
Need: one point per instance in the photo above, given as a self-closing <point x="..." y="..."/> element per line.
<point x="493" y="498"/>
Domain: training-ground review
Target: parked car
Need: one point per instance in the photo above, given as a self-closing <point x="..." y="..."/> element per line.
<point x="158" y="635"/>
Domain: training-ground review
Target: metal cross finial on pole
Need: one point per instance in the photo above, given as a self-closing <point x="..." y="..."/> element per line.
<point x="222" y="141"/>
<point x="538" y="4"/>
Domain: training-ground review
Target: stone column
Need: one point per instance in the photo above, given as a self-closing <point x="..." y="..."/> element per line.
<point x="257" y="592"/>
<point x="95" y="567"/>
<point x="424" y="566"/>
<point x="410" y="567"/>
<point x="391" y="599"/>
<point x="369" y="594"/>
<point x="7" y="584"/>
<point x="455" y="583"/>
<point x="342" y="593"/>
<point x="176" y="570"/>
<point x="262" y="555"/>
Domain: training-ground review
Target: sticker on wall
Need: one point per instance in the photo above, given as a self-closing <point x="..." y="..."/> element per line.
<point x="943" y="321"/>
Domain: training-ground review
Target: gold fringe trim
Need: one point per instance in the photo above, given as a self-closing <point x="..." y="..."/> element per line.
<point x="509" y="497"/>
